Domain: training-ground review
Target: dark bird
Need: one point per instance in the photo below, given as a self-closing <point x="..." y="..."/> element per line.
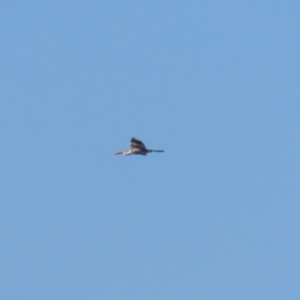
<point x="137" y="147"/>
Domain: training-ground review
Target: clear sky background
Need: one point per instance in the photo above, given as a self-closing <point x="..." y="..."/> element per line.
<point x="215" y="84"/>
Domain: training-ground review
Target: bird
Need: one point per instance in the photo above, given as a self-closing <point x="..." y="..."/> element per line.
<point x="137" y="147"/>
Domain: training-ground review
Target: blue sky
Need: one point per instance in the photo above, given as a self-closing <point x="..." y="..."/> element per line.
<point x="215" y="84"/>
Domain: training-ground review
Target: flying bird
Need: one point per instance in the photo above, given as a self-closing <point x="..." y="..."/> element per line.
<point x="137" y="147"/>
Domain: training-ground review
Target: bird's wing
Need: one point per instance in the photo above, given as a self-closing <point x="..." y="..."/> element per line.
<point x="136" y="144"/>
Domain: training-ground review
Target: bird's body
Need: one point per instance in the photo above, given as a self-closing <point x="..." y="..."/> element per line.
<point x="137" y="147"/>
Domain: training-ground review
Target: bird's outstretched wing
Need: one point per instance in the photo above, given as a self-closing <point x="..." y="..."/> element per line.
<point x="136" y="144"/>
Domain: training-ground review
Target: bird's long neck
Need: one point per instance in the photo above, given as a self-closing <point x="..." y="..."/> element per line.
<point x="150" y="150"/>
